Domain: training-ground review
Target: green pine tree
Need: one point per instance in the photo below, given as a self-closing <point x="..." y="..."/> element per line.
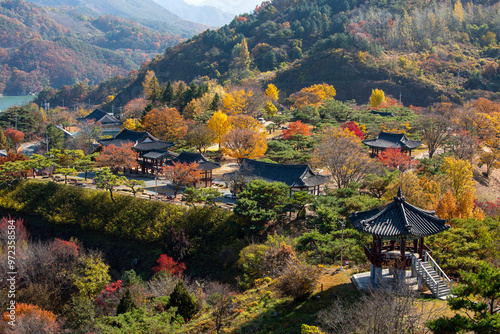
<point x="168" y="93"/>
<point x="186" y="304"/>
<point x="214" y="105"/>
<point x="126" y="304"/>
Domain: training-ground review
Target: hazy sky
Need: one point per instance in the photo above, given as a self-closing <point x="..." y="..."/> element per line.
<point x="232" y="6"/>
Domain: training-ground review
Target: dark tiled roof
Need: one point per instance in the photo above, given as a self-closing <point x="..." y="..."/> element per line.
<point x="154" y="145"/>
<point x="200" y="159"/>
<point x="130" y="135"/>
<point x="292" y="175"/>
<point x="113" y="141"/>
<point x="394" y="140"/>
<point x="156" y="154"/>
<point x="381" y="113"/>
<point x="99" y="115"/>
<point x="398" y="219"/>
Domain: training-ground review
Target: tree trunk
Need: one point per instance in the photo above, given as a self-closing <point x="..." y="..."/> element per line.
<point x="111" y="194"/>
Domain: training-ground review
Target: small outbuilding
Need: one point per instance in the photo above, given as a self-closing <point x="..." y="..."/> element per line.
<point x="297" y="177"/>
<point x="387" y="140"/>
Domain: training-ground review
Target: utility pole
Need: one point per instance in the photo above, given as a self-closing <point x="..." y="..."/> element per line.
<point x="342" y="223"/>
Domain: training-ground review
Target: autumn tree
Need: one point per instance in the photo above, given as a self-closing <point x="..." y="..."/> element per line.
<point x="377" y="97"/>
<point x="133" y="124"/>
<point x="355" y="128"/>
<point x="15" y="136"/>
<point x="200" y="136"/>
<point x="4" y="144"/>
<point x="181" y="174"/>
<point x="134" y="108"/>
<point x="491" y="160"/>
<point x="107" y="180"/>
<point x="246" y="122"/>
<point x="313" y="95"/>
<point x="396" y="158"/>
<point x="244" y="143"/>
<point x="117" y="157"/>
<point x="435" y="130"/>
<point x="237" y="102"/>
<point x="31" y="318"/>
<point x="219" y="124"/>
<point x="151" y="86"/>
<point x="169" y="265"/>
<point x="344" y="157"/>
<point x="272" y="92"/>
<point x="296" y="128"/>
<point x="165" y="123"/>
<point x="459" y="172"/>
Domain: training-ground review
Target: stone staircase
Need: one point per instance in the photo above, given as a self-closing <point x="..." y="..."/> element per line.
<point x="428" y="272"/>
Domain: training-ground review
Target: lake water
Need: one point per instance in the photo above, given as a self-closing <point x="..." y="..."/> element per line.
<point x="9" y="101"/>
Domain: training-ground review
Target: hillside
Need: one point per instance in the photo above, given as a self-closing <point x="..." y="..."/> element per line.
<point x="42" y="46"/>
<point x="208" y="15"/>
<point x="426" y="52"/>
<point x="146" y="12"/>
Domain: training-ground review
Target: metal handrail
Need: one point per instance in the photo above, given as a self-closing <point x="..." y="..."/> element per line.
<point x="437" y="268"/>
<point x="414" y="262"/>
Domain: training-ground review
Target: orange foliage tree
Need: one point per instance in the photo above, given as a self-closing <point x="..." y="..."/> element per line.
<point x="15" y="136"/>
<point x="181" y="174"/>
<point x="313" y="95"/>
<point x="246" y="122"/>
<point x="165" y="123"/>
<point x="244" y="143"/>
<point x="117" y="157"/>
<point x="33" y="317"/>
<point x="450" y="207"/>
<point x="296" y="128"/>
<point x="395" y="158"/>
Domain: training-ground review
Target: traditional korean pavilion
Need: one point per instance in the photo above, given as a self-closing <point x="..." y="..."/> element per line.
<point x="205" y="166"/>
<point x="152" y="151"/>
<point x="297" y="177"/>
<point x="398" y="231"/>
<point x="387" y="140"/>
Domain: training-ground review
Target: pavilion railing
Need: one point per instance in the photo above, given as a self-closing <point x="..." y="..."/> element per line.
<point x="424" y="273"/>
<point x="446" y="280"/>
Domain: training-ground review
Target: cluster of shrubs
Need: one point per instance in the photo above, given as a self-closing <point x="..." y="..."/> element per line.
<point x="277" y="259"/>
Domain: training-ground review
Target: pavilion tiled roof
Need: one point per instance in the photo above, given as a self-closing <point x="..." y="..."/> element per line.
<point x="156" y="154"/>
<point x="202" y="161"/>
<point x="292" y="175"/>
<point x="143" y="141"/>
<point x="398" y="219"/>
<point x="392" y="140"/>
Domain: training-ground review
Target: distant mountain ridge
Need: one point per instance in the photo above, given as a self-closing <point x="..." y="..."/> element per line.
<point x="42" y="46"/>
<point x="208" y="15"/>
<point x="146" y="12"/>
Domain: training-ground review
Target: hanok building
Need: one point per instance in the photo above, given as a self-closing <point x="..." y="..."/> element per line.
<point x="154" y="154"/>
<point x="205" y="166"/>
<point x="152" y="151"/>
<point x="109" y="124"/>
<point x="387" y="140"/>
<point x="398" y="231"/>
<point x="297" y="177"/>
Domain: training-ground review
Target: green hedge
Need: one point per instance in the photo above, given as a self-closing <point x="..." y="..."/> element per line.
<point x="128" y="217"/>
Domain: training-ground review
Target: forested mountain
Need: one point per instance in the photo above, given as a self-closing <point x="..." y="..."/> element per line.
<point x="43" y="46"/>
<point x="425" y="51"/>
<point x="146" y="12"/>
<point x="208" y="15"/>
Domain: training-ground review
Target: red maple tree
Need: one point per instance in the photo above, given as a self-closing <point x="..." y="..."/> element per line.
<point x="182" y="174"/>
<point x="296" y="128"/>
<point x="396" y="158"/>
<point x="354" y="127"/>
<point x="168" y="264"/>
<point x="117" y="157"/>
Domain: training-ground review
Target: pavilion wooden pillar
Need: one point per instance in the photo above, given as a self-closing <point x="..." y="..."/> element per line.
<point x="421" y="247"/>
<point x="415" y="245"/>
<point x="403" y="246"/>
